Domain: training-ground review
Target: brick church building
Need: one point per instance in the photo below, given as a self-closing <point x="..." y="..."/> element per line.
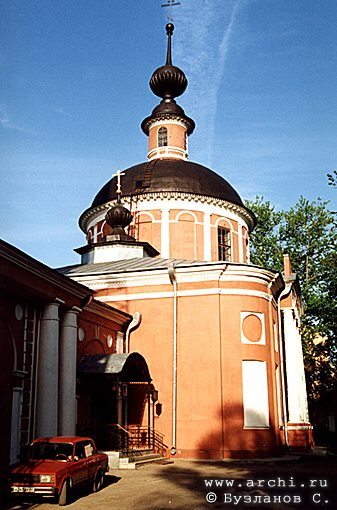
<point x="168" y="242"/>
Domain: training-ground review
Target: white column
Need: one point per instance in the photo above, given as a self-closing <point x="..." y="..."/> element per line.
<point x="207" y="237"/>
<point x="165" y="233"/>
<point x="297" y="398"/>
<point x="67" y="373"/>
<point x="301" y="381"/>
<point x="240" y="242"/>
<point x="47" y="372"/>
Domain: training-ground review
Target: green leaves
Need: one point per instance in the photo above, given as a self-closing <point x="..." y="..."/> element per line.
<point x="265" y="247"/>
<point x="308" y="233"/>
<point x="332" y="178"/>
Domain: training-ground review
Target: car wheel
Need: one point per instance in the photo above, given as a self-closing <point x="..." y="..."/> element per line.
<point x="64" y="497"/>
<point x="98" y="482"/>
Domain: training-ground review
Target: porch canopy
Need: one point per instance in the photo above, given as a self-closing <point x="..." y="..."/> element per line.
<point x="130" y="367"/>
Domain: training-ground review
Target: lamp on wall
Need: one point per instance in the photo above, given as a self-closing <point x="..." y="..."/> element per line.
<point x="159" y="409"/>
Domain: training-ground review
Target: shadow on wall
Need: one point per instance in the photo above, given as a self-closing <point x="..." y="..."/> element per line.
<point x="237" y="441"/>
<point x="295" y="482"/>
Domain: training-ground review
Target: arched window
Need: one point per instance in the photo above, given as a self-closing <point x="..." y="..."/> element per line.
<point x="162" y="137"/>
<point x="224" y="244"/>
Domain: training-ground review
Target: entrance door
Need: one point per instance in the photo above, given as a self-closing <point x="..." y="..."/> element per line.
<point x="97" y="410"/>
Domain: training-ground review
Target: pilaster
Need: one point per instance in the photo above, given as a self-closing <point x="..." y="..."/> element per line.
<point x="165" y="233"/>
<point x="297" y="400"/>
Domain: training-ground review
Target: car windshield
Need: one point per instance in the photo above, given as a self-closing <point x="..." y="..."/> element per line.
<point x="51" y="451"/>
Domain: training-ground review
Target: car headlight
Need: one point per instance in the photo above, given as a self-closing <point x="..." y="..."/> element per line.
<point x="47" y="478"/>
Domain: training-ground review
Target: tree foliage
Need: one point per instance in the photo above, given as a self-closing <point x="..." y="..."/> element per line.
<point x="332" y="179"/>
<point x="308" y="233"/>
<point x="265" y="247"/>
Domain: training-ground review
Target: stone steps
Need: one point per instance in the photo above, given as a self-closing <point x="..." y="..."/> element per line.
<point x="133" y="459"/>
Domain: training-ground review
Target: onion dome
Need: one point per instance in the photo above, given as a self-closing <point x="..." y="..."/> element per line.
<point x="168" y="82"/>
<point x="118" y="218"/>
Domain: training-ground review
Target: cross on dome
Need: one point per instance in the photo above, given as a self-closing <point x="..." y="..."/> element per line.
<point x="168" y="82"/>
<point x="118" y="174"/>
<point x="170" y="4"/>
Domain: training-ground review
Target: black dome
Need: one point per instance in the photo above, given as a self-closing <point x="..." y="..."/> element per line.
<point x="168" y="81"/>
<point x="175" y="175"/>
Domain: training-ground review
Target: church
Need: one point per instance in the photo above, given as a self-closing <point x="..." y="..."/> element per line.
<point x="168" y="243"/>
<point x="164" y="336"/>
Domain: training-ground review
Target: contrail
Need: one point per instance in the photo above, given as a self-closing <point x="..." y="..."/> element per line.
<point x="201" y="43"/>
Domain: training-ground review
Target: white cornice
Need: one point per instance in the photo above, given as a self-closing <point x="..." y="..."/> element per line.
<point x="168" y="119"/>
<point x="215" y="273"/>
<point x="238" y="210"/>
<point x="185" y="293"/>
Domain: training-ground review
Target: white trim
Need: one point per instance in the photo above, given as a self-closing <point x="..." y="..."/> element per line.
<point x="256" y="428"/>
<point x="165" y="232"/>
<point x="213" y="272"/>
<point x="186" y="211"/>
<point x="278" y="395"/>
<point x="174" y="200"/>
<point x="240" y="243"/>
<point x="100" y="232"/>
<point x="165" y="120"/>
<point x="146" y="213"/>
<point x="184" y="293"/>
<point x="255" y="394"/>
<point x="228" y="220"/>
<point x="184" y="203"/>
<point x="300" y="427"/>
<point x="171" y="151"/>
<point x="207" y="236"/>
<point x="260" y="316"/>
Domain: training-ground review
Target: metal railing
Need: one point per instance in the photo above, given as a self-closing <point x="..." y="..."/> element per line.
<point x="114" y="437"/>
<point x="146" y="437"/>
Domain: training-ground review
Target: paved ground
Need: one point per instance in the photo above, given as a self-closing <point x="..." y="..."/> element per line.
<point x="182" y="485"/>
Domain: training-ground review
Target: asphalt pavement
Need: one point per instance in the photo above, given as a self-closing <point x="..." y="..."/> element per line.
<point x="290" y="483"/>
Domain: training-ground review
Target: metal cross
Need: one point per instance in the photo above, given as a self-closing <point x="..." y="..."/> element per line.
<point x="170" y="4"/>
<point x="118" y="174"/>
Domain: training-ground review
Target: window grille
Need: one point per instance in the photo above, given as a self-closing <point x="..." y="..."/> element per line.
<point x="224" y="244"/>
<point x="162" y="137"/>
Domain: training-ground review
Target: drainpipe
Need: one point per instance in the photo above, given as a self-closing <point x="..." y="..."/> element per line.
<point x="284" y="293"/>
<point x="137" y="319"/>
<point x="221" y="360"/>
<point x="173" y="280"/>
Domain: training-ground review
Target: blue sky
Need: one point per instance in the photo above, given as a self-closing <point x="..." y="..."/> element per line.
<point x="74" y="90"/>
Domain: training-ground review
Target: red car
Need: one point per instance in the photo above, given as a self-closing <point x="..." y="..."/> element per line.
<point x="57" y="465"/>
